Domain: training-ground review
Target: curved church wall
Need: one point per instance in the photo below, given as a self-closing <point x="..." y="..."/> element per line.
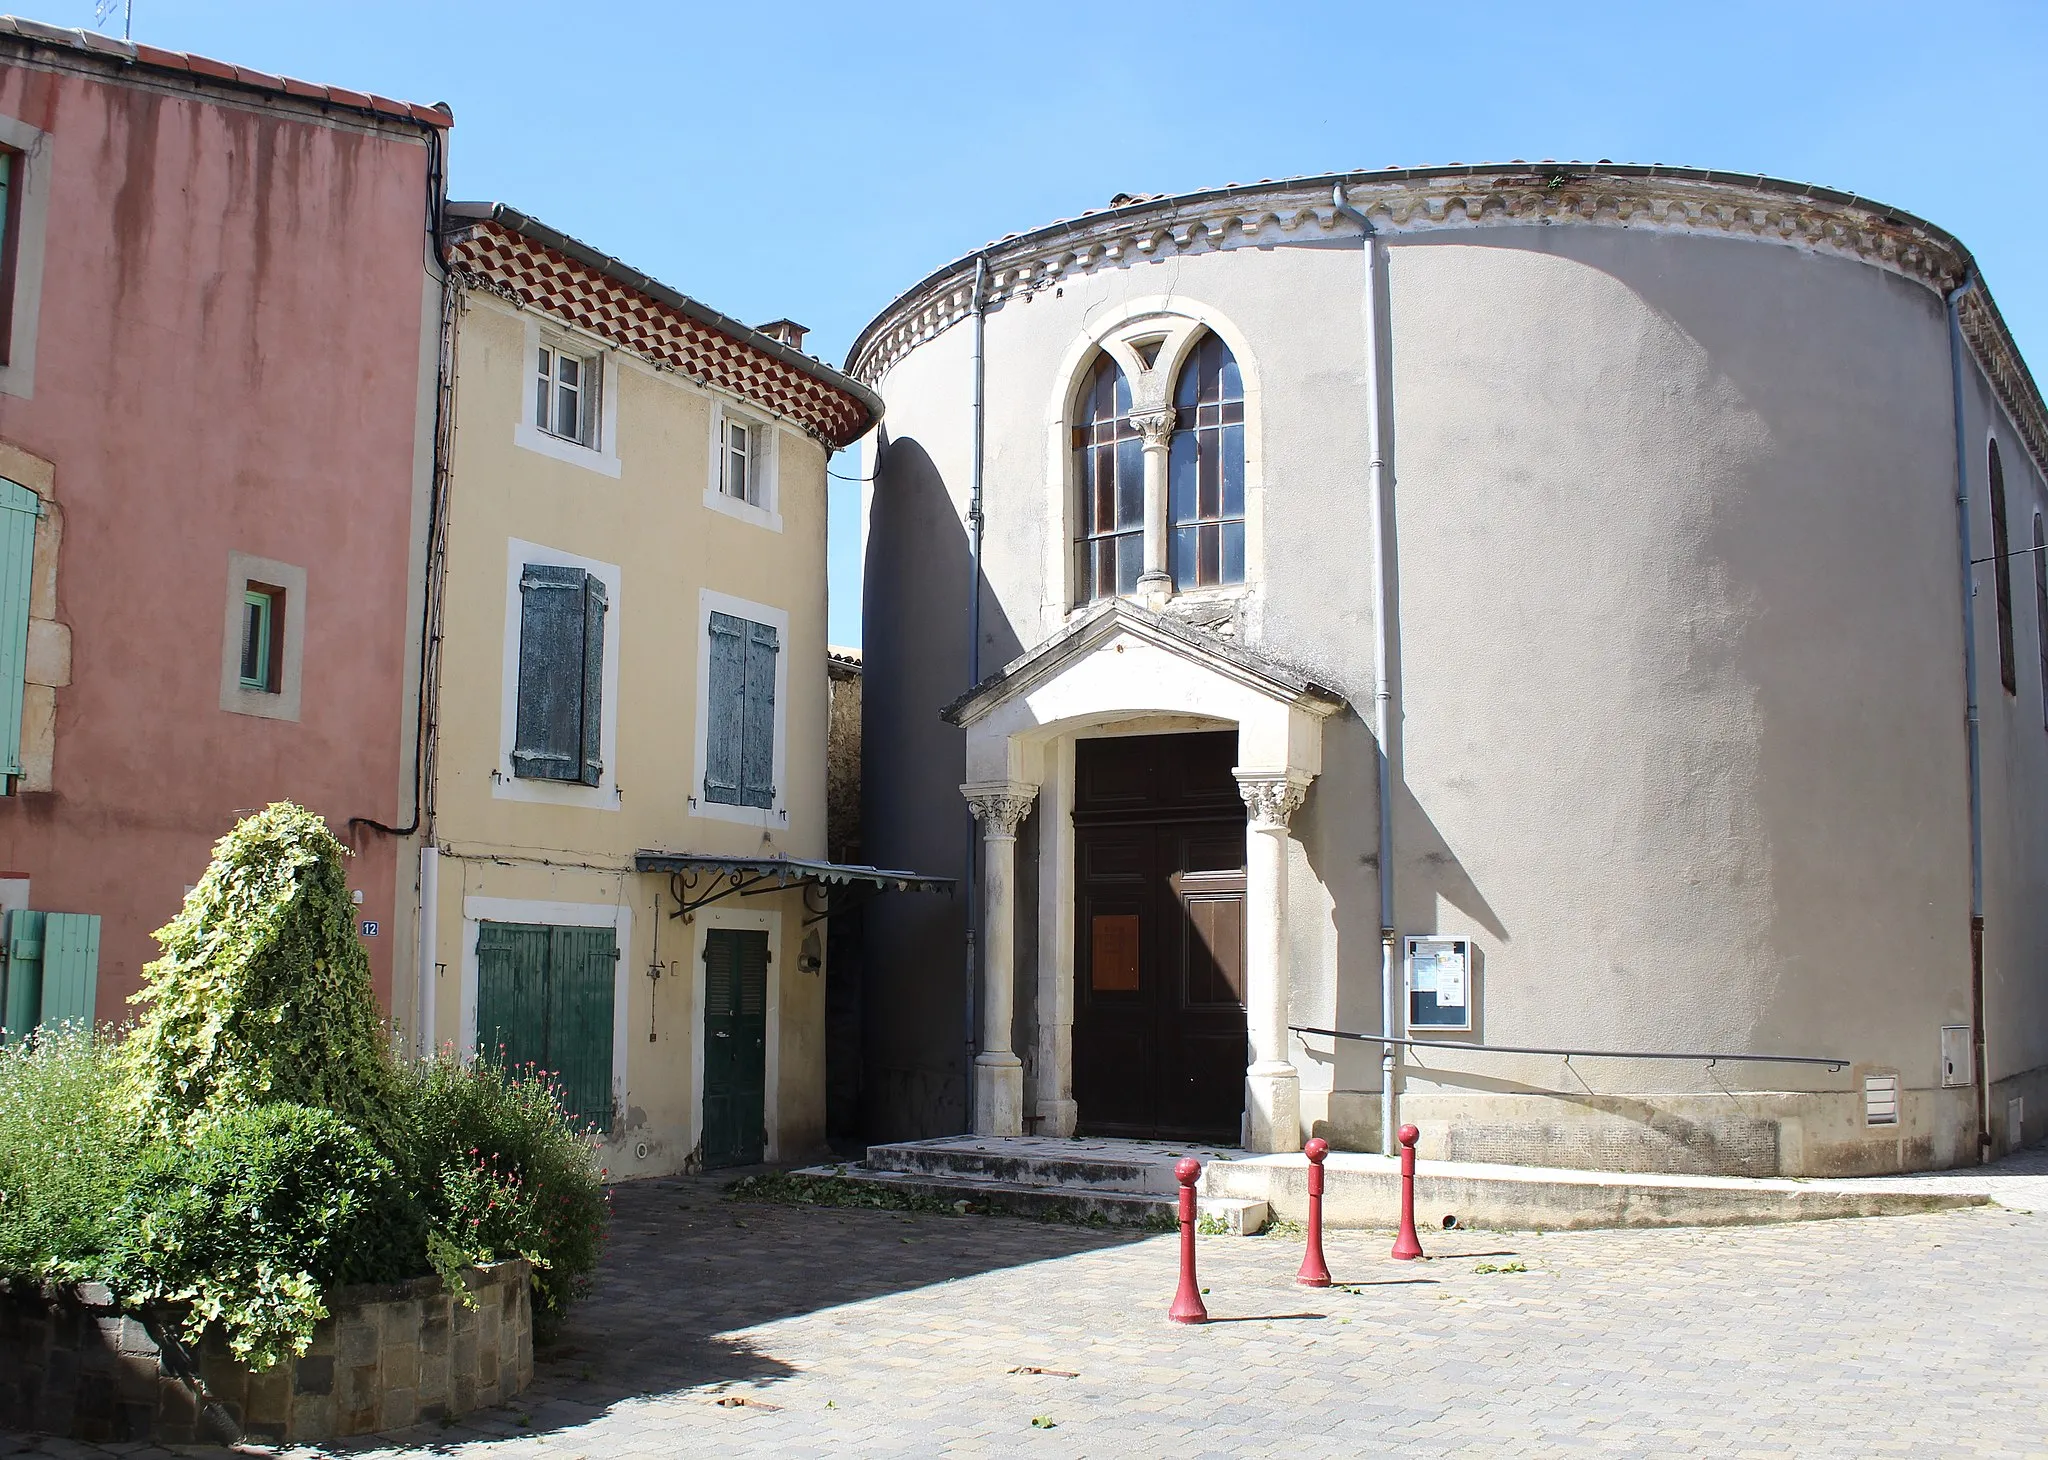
<point x="1679" y="669"/>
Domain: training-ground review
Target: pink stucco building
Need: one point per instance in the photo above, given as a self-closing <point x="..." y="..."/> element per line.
<point x="221" y="316"/>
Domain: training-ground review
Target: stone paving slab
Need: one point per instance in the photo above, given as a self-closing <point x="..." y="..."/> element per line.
<point x="747" y="1329"/>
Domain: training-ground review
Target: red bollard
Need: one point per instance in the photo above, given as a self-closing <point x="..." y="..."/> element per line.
<point x="1187" y="1303"/>
<point x="1407" y="1246"/>
<point x="1315" y="1273"/>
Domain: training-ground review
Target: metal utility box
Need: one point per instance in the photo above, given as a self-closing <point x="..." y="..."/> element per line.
<point x="1955" y="1056"/>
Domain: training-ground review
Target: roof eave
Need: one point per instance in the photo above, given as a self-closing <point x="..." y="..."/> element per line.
<point x="532" y="229"/>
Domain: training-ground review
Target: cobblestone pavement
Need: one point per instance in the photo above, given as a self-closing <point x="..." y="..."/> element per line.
<point x="744" y="1329"/>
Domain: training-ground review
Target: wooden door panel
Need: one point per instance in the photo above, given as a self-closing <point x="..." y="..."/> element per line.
<point x="735" y="1046"/>
<point x="511" y="993"/>
<point x="1159" y="1030"/>
<point x="582" y="973"/>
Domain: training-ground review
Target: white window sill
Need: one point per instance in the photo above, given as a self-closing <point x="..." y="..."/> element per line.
<point x="508" y="787"/>
<point x="769" y="817"/>
<point x="532" y="438"/>
<point x="718" y="501"/>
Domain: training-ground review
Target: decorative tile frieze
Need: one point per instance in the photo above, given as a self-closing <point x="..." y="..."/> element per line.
<point x="530" y="275"/>
<point x="1261" y="215"/>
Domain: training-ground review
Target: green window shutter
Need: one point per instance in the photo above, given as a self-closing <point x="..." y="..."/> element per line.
<point x="553" y="645"/>
<point x="19" y="509"/>
<point x="71" y="969"/>
<point x="757" y="755"/>
<point x="725" y="713"/>
<point x="582" y="967"/>
<point x="22" y="1000"/>
<point x="591" y="769"/>
<point x="511" y="992"/>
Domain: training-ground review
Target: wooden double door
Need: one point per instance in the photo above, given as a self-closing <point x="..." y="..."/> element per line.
<point x="1159" y="1017"/>
<point x="544" y="998"/>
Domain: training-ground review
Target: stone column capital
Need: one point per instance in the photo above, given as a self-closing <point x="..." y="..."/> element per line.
<point x="1271" y="797"/>
<point x="1155" y="426"/>
<point x="1000" y="806"/>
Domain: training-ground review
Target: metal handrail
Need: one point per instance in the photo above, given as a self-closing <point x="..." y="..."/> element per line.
<point x="1605" y="1054"/>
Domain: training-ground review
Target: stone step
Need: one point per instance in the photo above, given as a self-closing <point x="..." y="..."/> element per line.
<point x="1099" y="1165"/>
<point x="1081" y="1205"/>
<point x="1365" y="1191"/>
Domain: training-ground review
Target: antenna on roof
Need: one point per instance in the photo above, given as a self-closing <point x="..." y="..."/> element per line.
<point x="101" y="9"/>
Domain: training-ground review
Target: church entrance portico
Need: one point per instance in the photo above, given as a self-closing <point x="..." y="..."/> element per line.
<point x="1161" y="766"/>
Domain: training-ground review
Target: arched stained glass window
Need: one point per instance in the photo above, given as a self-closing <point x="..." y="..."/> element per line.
<point x="1109" y="465"/>
<point x="1205" y="475"/>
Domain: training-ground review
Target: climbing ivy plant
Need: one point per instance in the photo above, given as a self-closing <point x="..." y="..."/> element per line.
<point x="263" y="993"/>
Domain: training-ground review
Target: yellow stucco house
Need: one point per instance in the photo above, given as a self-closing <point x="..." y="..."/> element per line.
<point x="624" y="879"/>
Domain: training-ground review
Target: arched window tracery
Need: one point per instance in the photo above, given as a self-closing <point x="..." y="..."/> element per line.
<point x="1109" y="461"/>
<point x="1205" y="470"/>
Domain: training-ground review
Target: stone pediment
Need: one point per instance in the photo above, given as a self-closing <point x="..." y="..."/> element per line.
<point x="1099" y="630"/>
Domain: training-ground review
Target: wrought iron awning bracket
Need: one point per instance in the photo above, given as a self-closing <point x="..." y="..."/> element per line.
<point x="682" y="886"/>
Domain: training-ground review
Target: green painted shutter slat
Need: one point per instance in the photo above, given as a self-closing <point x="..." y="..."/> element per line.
<point x="582" y="966"/>
<point x="757" y="755"/>
<point x="591" y="768"/>
<point x="19" y="508"/>
<point x="725" y="709"/>
<point x="71" y="969"/>
<point x="735" y="1046"/>
<point x="548" y="735"/>
<point x="21" y="1001"/>
<point x="511" y="992"/>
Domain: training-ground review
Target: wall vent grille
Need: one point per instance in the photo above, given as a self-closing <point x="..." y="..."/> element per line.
<point x="1880" y="1099"/>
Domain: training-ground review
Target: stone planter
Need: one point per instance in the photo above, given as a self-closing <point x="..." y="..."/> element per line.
<point x="73" y="1364"/>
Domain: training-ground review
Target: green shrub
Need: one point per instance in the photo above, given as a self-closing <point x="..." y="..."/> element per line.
<point x="263" y="1210"/>
<point x="263" y="990"/>
<point x="65" y="1154"/>
<point x="503" y="1171"/>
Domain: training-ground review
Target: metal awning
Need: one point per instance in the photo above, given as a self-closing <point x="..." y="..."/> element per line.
<point x="696" y="880"/>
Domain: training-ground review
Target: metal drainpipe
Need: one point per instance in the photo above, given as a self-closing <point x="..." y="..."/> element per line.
<point x="1383" y="654"/>
<point x="974" y="520"/>
<point x="1981" y="1072"/>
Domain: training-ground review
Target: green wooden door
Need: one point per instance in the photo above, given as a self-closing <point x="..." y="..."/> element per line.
<point x="544" y="997"/>
<point x="735" y="1046"/>
<point x="21" y="1003"/>
<point x="582" y="963"/>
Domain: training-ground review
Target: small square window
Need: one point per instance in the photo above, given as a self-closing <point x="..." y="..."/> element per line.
<point x="565" y="390"/>
<point x="736" y="477"/>
<point x="262" y="638"/>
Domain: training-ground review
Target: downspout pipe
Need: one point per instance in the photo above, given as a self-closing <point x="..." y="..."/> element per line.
<point x="1383" y="710"/>
<point x="970" y="1005"/>
<point x="1972" y="721"/>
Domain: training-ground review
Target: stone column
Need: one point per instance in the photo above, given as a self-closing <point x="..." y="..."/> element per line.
<point x="1000" y="807"/>
<point x="1272" y="1085"/>
<point x="1155" y="584"/>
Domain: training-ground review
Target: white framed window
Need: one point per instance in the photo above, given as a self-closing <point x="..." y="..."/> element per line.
<point x="735" y="455"/>
<point x="742" y="711"/>
<point x="566" y="387"/>
<point x="558" y="720"/>
<point x="745" y="455"/>
<point x="569" y="399"/>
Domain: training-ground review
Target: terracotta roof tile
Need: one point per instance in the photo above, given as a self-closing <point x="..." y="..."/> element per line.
<point x="529" y="263"/>
<point x="135" y="53"/>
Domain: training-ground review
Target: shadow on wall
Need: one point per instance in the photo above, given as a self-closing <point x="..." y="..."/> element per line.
<point x="914" y="629"/>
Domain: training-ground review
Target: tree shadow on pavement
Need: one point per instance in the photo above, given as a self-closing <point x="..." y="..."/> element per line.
<point x="688" y="1272"/>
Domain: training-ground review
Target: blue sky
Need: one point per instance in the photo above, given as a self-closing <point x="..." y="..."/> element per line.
<point x="812" y="160"/>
